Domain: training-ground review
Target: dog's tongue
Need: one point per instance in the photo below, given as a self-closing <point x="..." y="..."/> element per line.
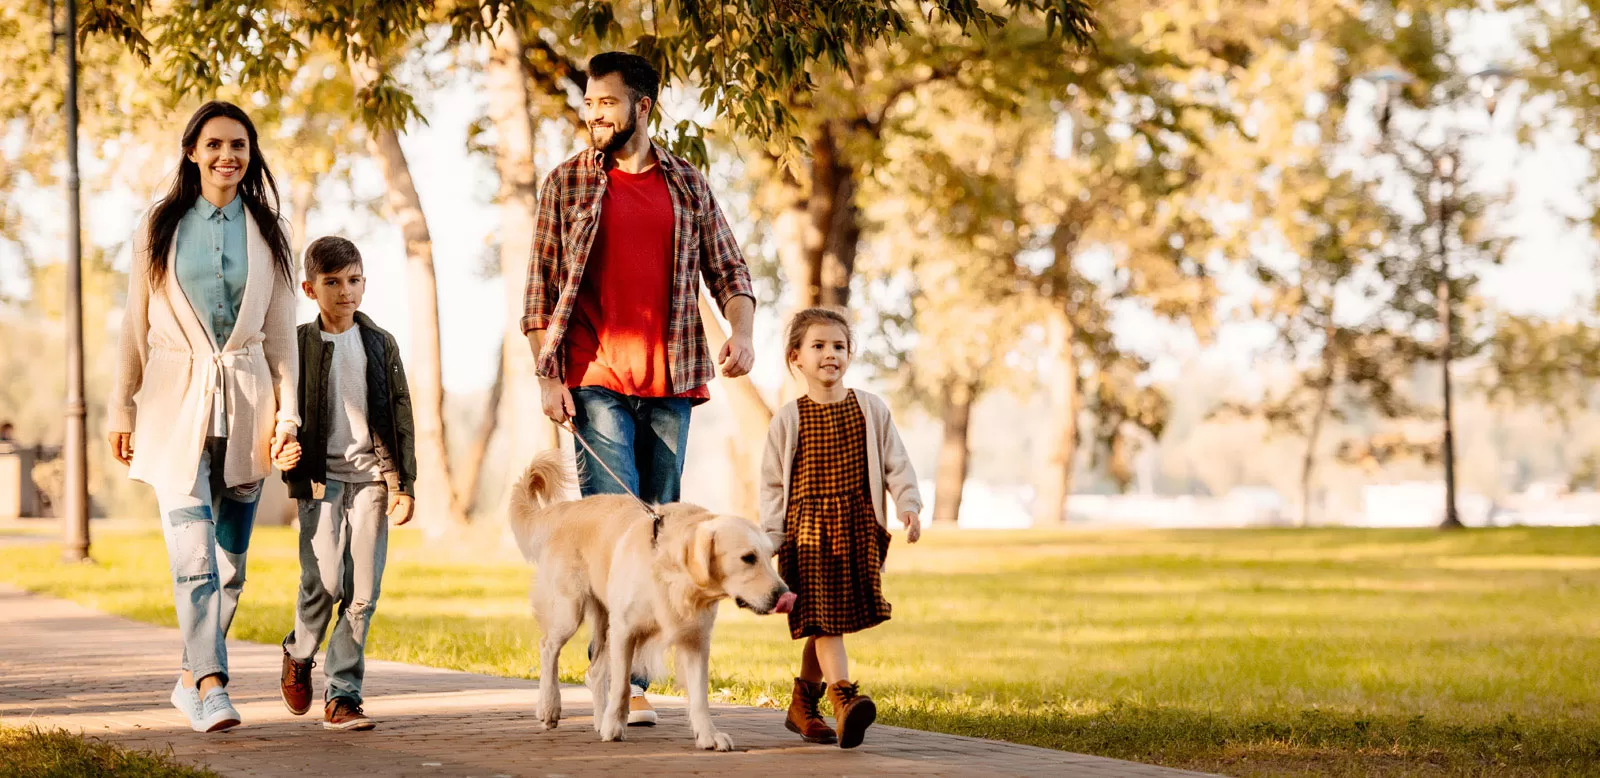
<point x="785" y="603"/>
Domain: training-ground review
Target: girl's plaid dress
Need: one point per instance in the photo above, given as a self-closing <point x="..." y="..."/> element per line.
<point x="833" y="548"/>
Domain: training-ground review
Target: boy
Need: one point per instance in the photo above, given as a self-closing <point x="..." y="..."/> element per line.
<point x="354" y="468"/>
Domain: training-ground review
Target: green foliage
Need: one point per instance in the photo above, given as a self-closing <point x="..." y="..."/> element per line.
<point x="1550" y="363"/>
<point x="1350" y="260"/>
<point x="743" y="55"/>
<point x="1560" y="39"/>
<point x="997" y="221"/>
<point x="751" y="57"/>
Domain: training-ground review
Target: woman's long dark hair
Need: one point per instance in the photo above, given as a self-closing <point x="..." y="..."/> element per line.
<point x="254" y="188"/>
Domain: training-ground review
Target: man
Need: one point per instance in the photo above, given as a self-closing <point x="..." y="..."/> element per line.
<point x="625" y="231"/>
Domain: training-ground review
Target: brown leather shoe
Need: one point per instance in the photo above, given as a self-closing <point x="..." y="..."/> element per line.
<point x="295" y="684"/>
<point x="342" y="713"/>
<point x="853" y="712"/>
<point x="804" y="719"/>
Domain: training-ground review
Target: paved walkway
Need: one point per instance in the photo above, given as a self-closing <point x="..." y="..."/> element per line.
<point x="63" y="665"/>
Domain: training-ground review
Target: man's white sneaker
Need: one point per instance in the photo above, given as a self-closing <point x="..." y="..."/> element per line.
<point x="216" y="712"/>
<point x="640" y="714"/>
<point x="186" y="699"/>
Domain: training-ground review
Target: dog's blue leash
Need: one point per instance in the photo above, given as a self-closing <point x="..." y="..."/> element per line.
<point x="655" y="516"/>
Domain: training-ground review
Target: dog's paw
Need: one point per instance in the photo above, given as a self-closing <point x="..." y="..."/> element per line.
<point x="550" y="715"/>
<point x="716" y="741"/>
<point x="611" y="731"/>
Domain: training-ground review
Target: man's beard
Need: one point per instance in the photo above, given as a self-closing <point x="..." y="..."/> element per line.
<point x="619" y="136"/>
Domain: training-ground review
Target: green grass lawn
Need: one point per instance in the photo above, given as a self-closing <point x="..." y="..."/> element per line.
<point x="20" y="532"/>
<point x="1318" y="652"/>
<point x="36" y="753"/>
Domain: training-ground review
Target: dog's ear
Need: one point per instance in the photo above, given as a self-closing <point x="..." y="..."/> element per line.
<point x="700" y="554"/>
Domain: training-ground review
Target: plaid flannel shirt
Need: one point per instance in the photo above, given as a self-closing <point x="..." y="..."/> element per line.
<point x="564" y="233"/>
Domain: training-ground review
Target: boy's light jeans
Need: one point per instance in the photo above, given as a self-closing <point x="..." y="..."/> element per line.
<point x="344" y="539"/>
<point x="207" y="529"/>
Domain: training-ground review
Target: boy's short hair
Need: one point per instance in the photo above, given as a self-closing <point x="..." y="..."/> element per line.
<point x="330" y="254"/>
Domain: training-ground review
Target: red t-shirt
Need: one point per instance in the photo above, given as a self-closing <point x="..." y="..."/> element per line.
<point x="617" y="336"/>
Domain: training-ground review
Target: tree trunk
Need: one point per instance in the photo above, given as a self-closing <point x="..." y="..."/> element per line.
<point x="819" y="234"/>
<point x="472" y="467"/>
<point x="950" y="477"/>
<point x="437" y="504"/>
<point x="834" y="218"/>
<point x="274" y="508"/>
<point x="1307" y="467"/>
<point x="792" y="231"/>
<point x="1446" y="167"/>
<point x="1061" y="449"/>
<point x="744" y="487"/>
<point x="510" y="111"/>
<point x="753" y="416"/>
<point x="798" y="245"/>
<point x="301" y="190"/>
<point x="1119" y="459"/>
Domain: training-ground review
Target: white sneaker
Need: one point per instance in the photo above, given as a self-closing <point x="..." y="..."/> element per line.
<point x="186" y="699"/>
<point x="640" y="713"/>
<point x="216" y="712"/>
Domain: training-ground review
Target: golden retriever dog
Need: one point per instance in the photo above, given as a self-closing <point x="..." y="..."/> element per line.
<point x="595" y="559"/>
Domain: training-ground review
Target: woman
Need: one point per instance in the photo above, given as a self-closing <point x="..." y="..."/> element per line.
<point x="206" y="379"/>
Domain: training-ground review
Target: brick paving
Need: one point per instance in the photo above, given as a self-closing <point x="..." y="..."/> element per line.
<point x="63" y="665"/>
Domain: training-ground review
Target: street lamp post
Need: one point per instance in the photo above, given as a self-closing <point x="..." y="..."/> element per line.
<point x="74" y="451"/>
<point x="1488" y="84"/>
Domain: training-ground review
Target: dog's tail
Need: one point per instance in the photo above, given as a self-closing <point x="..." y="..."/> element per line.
<point x="542" y="485"/>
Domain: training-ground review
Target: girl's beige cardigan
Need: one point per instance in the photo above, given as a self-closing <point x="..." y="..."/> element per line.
<point x="169" y="369"/>
<point x="888" y="464"/>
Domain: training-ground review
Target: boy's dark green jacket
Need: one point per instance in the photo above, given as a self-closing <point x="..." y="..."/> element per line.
<point x="388" y="410"/>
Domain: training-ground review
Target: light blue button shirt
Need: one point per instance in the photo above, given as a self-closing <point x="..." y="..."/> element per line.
<point x="212" y="264"/>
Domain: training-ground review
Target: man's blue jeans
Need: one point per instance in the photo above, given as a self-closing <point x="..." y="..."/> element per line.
<point x="642" y="440"/>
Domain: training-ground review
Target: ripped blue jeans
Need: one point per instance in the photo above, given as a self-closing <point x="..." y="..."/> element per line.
<point x="207" y="530"/>
<point x="344" y="540"/>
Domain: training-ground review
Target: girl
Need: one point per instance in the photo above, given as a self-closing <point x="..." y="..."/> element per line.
<point x="207" y="373"/>
<point x="829" y="457"/>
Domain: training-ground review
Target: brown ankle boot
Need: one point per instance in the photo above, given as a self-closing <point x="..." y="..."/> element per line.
<point x="852" y="711"/>
<point x="804" y="719"/>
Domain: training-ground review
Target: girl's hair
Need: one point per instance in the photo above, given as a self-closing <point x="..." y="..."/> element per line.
<point x="254" y="188"/>
<point x="801" y="323"/>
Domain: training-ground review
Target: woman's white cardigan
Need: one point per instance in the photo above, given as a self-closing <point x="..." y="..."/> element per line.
<point x="169" y="368"/>
<point x="887" y="464"/>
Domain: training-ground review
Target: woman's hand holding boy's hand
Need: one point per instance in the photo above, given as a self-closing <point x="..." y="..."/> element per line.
<point x="913" y="524"/>
<point x="285" y="452"/>
<point x="401" y="506"/>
